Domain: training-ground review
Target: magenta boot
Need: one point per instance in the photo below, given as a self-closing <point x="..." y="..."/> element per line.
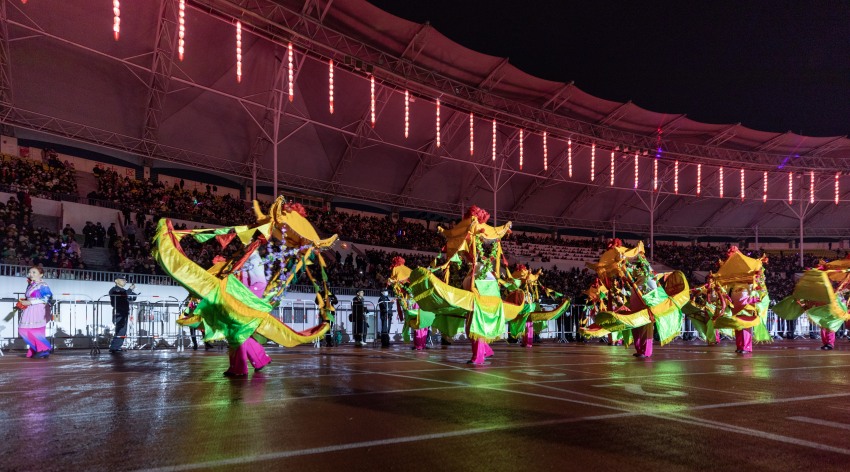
<point x="744" y="340"/>
<point x="828" y="338"/>
<point x="256" y="354"/>
<point x="420" y="338"/>
<point x="480" y="352"/>
<point x="643" y="340"/>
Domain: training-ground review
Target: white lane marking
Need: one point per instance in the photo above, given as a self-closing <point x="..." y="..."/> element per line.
<point x="379" y="442"/>
<point x="637" y="389"/>
<point x="538" y="373"/>
<point x="830" y="424"/>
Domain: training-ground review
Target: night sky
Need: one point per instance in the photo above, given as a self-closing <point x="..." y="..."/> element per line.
<point x="771" y="65"/>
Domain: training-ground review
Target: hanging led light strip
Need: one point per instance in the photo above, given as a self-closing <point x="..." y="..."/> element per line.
<point x="699" y="179"/>
<point x="655" y="174"/>
<point x="239" y="52"/>
<point x="290" y="60"/>
<point x="637" y="177"/>
<point x="331" y="86"/>
<point x="764" y="189"/>
<point x="181" y="28"/>
<point x="721" y="182"/>
<point x="592" y="161"/>
<point x="471" y="133"/>
<point x="836" y="188"/>
<point x="570" y="158"/>
<point x="612" y="168"/>
<point x="372" y="98"/>
<point x="790" y="187"/>
<point x="521" y="137"/>
<point x="116" y="20"/>
<point x="811" y="186"/>
<point x="676" y="178"/>
<point x="742" y="185"/>
<point x="438" y="122"/>
<point x="406" y="113"/>
<point x="545" y="152"/>
<point x="494" y="140"/>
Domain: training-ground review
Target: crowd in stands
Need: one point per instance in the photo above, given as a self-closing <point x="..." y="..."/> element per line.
<point x="20" y="243"/>
<point x="50" y="178"/>
<point x="376" y="231"/>
<point x="148" y="197"/>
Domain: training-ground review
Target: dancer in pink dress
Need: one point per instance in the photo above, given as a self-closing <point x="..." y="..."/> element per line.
<point x="36" y="314"/>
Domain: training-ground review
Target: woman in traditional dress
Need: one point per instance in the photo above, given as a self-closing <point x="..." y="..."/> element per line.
<point x="36" y="314"/>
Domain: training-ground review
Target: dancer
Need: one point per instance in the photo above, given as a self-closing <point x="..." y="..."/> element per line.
<point x="35" y="314"/>
<point x="821" y="295"/>
<point x="640" y="302"/>
<point x="235" y="296"/>
<point x="737" y="300"/>
<point x="415" y="319"/>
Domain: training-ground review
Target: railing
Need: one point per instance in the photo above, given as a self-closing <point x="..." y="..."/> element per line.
<point x="8" y="270"/>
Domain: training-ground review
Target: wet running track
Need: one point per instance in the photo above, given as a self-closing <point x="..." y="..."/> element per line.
<point x="553" y="407"/>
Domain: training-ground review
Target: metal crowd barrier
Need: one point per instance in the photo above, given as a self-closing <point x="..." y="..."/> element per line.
<point x="79" y="322"/>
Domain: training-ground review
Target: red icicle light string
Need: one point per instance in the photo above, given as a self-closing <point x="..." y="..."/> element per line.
<point x="406" y="113"/>
<point x="239" y="51"/>
<point x="655" y="174"/>
<point x="521" y="151"/>
<point x="811" y="186"/>
<point x="545" y="152"/>
<point x="494" y="140"/>
<point x="764" y="188"/>
<point x="471" y="134"/>
<point x="331" y="86"/>
<point x="372" y="98"/>
<point x="592" y="161"/>
<point x="699" y="179"/>
<point x="291" y="71"/>
<point x="181" y="28"/>
<point x="742" y="185"/>
<point x="116" y="18"/>
<point x="790" y="187"/>
<point x="676" y="177"/>
<point x="438" y="122"/>
<point x="836" y="187"/>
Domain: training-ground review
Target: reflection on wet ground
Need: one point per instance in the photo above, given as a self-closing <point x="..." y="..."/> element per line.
<point x="690" y="407"/>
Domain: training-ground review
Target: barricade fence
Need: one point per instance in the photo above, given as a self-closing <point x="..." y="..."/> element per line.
<point x="80" y="322"/>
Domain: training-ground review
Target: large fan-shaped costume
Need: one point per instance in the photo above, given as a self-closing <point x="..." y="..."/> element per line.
<point x="637" y="301"/>
<point x="235" y="296"/>
<point x="815" y="296"/>
<point x="477" y="301"/>
<point x="734" y="298"/>
<point x="415" y="318"/>
<point x="532" y="318"/>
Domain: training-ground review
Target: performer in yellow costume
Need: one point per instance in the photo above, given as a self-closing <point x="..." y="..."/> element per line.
<point x="235" y="296"/>
<point x="820" y="294"/>
<point x="735" y="298"/>
<point x="640" y="302"/>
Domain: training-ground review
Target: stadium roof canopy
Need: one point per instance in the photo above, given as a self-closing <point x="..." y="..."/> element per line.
<point x="67" y="80"/>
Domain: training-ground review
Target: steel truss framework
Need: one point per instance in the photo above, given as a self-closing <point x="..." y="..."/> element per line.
<point x="277" y="22"/>
<point x="305" y="29"/>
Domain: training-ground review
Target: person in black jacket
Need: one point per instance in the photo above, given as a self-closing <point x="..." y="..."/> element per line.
<point x="120" y="297"/>
<point x="358" y="319"/>
<point x="385" y="309"/>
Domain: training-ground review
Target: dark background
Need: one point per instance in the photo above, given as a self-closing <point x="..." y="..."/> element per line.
<point x="771" y="65"/>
